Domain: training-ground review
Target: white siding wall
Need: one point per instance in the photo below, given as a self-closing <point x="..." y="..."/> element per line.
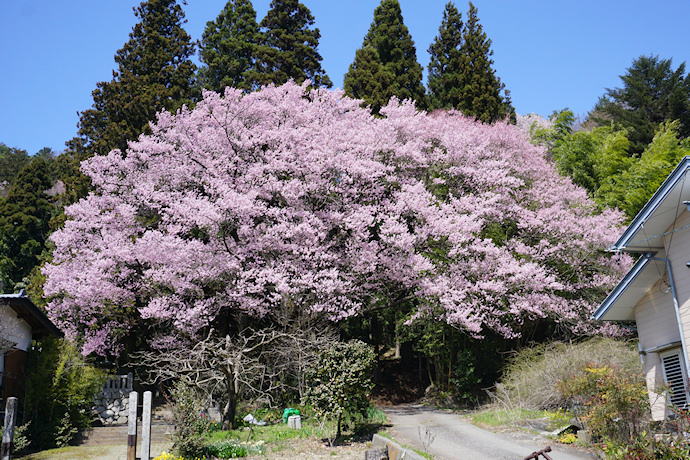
<point x="14" y="329"/>
<point x="678" y="244"/>
<point x="655" y="314"/>
<point x="656" y="326"/>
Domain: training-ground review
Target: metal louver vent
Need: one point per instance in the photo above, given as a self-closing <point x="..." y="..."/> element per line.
<point x="675" y="379"/>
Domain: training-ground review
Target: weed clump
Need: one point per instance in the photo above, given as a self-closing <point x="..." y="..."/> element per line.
<point x="532" y="376"/>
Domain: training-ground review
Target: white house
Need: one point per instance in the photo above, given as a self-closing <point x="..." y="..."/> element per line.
<point x="20" y="322"/>
<point x="655" y="293"/>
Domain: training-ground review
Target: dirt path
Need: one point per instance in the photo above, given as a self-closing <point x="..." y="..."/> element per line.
<point x="449" y="436"/>
<point x="104" y="452"/>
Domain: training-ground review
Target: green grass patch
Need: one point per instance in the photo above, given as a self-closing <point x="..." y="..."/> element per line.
<point x="277" y="436"/>
<point x="376" y="416"/>
<point x="270" y="434"/>
<point x="419" y="452"/>
<point x="64" y="453"/>
<point x="90" y="452"/>
<point x="501" y="417"/>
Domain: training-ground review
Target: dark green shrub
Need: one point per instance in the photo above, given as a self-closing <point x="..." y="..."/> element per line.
<point x="230" y="448"/>
<point x="20" y="443"/>
<point x="340" y="381"/>
<point x="464" y="377"/>
<point x="191" y="422"/>
<point x="614" y="403"/>
<point x="227" y="449"/>
<point x="65" y="432"/>
<point x="60" y="389"/>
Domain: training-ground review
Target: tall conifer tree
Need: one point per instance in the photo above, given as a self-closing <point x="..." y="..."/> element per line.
<point x="289" y="46"/>
<point x="481" y="94"/>
<point x="368" y="79"/>
<point x="12" y="160"/>
<point x="24" y="217"/>
<point x="652" y="92"/>
<point x="460" y="72"/>
<point x="446" y="68"/>
<point x="228" y="48"/>
<point x="154" y="73"/>
<point x="390" y="39"/>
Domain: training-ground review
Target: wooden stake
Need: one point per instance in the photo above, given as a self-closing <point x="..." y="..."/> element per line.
<point x="146" y="427"/>
<point x="8" y="433"/>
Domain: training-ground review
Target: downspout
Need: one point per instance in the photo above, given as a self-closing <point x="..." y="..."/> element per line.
<point x="677" y="308"/>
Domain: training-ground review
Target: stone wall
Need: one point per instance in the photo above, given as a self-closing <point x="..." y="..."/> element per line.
<point x="112" y="403"/>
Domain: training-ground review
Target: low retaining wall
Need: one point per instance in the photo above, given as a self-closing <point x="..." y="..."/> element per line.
<point x="112" y="404"/>
<point x="395" y="450"/>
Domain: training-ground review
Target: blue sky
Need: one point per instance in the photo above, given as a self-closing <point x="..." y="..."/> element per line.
<point x="550" y="54"/>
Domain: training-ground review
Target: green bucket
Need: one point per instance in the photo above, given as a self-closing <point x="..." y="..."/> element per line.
<point x="288" y="412"/>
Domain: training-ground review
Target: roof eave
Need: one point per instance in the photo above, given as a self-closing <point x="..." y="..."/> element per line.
<point x="662" y="192"/>
<point x="30" y="313"/>
<point x="621" y="287"/>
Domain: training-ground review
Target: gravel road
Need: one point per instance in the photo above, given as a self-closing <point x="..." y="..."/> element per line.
<point x="449" y="436"/>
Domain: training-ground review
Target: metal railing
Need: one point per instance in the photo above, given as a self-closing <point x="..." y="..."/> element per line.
<point x="535" y="455"/>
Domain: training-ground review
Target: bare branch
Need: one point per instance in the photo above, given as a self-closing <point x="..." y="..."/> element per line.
<point x="258" y="364"/>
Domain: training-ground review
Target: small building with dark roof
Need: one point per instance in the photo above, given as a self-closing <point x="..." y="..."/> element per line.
<point x="21" y="321"/>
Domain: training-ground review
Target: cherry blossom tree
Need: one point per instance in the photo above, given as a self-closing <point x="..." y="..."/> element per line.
<point x="299" y="195"/>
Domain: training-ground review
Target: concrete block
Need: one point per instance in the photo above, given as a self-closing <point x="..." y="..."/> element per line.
<point x="584" y="437"/>
<point x="295" y="422"/>
<point x="395" y="450"/>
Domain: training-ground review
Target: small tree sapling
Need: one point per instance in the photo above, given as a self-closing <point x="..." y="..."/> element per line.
<point x="341" y="381"/>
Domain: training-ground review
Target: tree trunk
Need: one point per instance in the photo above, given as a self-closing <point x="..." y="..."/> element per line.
<point x="337" y="433"/>
<point x="438" y="368"/>
<point x="420" y="374"/>
<point x="428" y="370"/>
<point x="230" y="409"/>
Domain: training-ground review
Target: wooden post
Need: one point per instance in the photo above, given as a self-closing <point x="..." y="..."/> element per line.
<point x="132" y="426"/>
<point x="146" y="427"/>
<point x="8" y="433"/>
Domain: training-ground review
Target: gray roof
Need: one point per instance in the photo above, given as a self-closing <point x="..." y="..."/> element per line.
<point x="645" y="232"/>
<point x="29" y="312"/>
<point x="644" y="236"/>
<point x="619" y="304"/>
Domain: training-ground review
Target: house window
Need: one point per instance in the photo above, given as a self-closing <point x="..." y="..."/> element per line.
<point x="675" y="377"/>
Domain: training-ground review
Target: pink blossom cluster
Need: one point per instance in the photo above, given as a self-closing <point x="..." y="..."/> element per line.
<point x="292" y="193"/>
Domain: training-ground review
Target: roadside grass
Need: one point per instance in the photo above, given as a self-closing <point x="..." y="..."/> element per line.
<point x="532" y="376"/>
<point x="419" y="452"/>
<point x="496" y="417"/>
